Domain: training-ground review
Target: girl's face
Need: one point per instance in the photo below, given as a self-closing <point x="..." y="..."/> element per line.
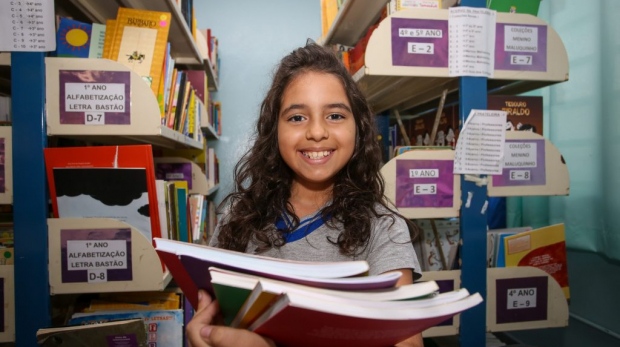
<point x="316" y="129"/>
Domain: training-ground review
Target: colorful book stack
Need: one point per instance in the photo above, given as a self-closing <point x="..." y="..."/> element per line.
<point x="264" y="294"/>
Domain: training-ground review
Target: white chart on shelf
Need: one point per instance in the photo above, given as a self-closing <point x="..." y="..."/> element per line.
<point x="27" y="26"/>
<point x="471" y="47"/>
<point x="480" y="148"/>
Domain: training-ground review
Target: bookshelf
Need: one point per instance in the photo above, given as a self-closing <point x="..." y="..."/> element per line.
<point x="7" y="282"/>
<point x="417" y="89"/>
<point x="352" y="20"/>
<point x="5" y="73"/>
<point x="37" y="267"/>
<point x="213" y="189"/>
<point x="183" y="48"/>
<point x="144" y="274"/>
<point x="145" y="126"/>
<point x="387" y="86"/>
<point x="213" y="79"/>
<point x="6" y="193"/>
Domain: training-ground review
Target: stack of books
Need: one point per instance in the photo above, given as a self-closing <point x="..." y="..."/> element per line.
<point x="320" y="304"/>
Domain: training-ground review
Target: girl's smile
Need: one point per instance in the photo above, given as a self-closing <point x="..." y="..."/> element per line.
<point x="316" y="129"/>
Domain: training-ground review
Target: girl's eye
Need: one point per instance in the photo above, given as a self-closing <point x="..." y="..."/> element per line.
<point x="296" y="118"/>
<point x="335" y="116"/>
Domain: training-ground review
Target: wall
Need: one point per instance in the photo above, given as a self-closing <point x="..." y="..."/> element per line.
<point x="253" y="37"/>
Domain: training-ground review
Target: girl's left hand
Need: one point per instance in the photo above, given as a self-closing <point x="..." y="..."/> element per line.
<point x="201" y="332"/>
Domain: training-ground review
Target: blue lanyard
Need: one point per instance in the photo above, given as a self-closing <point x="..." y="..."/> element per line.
<point x="306" y="227"/>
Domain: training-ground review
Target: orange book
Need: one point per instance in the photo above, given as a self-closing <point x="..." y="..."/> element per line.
<point x="140" y="42"/>
<point x="110" y="30"/>
<point x="331" y="9"/>
<point x="324" y="17"/>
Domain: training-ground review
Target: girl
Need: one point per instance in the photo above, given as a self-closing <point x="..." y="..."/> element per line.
<point x="309" y="188"/>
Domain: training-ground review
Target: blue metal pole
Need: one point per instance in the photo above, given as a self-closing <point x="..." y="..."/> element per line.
<point x="473" y="95"/>
<point x="30" y="197"/>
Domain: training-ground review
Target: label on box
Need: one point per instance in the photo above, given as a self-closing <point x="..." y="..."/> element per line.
<point x="419" y="42"/>
<point x="524" y="164"/>
<point x="94" y="97"/>
<point x="521" y="299"/>
<point x="424" y="183"/>
<point x="521" y="47"/>
<point x="96" y="255"/>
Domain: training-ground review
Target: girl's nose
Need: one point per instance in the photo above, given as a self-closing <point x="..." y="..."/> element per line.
<point x="317" y="130"/>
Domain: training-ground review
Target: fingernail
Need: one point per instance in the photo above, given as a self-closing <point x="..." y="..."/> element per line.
<point x="200" y="295"/>
<point x="206" y="331"/>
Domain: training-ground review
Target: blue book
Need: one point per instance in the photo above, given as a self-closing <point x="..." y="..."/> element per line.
<point x="182" y="216"/>
<point x="73" y="38"/>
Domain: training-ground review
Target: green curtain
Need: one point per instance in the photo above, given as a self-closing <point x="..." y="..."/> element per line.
<point x="582" y="118"/>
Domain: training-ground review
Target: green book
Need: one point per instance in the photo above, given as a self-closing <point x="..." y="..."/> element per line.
<point x="515" y="6"/>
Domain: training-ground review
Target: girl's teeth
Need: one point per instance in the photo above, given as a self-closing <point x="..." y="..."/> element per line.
<point x="316" y="155"/>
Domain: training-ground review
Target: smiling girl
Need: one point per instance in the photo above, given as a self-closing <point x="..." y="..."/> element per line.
<point x="310" y="189"/>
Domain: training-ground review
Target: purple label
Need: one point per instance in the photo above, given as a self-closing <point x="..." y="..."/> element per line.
<point x="521" y="47"/>
<point x="2" y="305"/>
<point x="521" y="299"/>
<point x="424" y="183"/>
<point x="107" y="258"/>
<point x="419" y="42"/>
<point x="128" y="340"/>
<point x="94" y="97"/>
<point x="524" y="164"/>
<point x="174" y="172"/>
<point x="2" y="167"/>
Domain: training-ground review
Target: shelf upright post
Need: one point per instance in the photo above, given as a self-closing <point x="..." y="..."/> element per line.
<point x="30" y="198"/>
<point x="473" y="95"/>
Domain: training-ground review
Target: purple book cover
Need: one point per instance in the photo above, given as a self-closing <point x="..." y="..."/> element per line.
<point x="445" y="286"/>
<point x="198" y="270"/>
<point x="102" y="254"/>
<point x="419" y="42"/>
<point x="1" y="305"/>
<point x="524" y="164"/>
<point x="424" y="183"/>
<point x="2" y="167"/>
<point x="197" y="79"/>
<point x="174" y="172"/>
<point x="521" y="47"/>
<point x="95" y="97"/>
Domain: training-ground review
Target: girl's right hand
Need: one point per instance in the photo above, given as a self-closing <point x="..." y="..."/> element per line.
<point x="201" y="332"/>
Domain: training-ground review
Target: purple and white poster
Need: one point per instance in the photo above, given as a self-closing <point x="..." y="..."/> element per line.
<point x="174" y="172"/>
<point x="96" y="255"/>
<point x="95" y="97"/>
<point x="524" y="164"/>
<point x="521" y="299"/>
<point x="419" y="42"/>
<point x="424" y="183"/>
<point x="521" y="47"/>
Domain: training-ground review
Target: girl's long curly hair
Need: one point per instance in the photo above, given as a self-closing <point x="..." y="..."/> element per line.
<point x="263" y="180"/>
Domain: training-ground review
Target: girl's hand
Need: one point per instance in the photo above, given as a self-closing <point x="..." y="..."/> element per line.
<point x="201" y="332"/>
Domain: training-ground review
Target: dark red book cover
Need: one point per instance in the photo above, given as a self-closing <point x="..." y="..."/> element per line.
<point x="105" y="157"/>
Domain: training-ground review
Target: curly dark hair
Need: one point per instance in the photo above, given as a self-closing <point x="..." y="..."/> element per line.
<point x="263" y="180"/>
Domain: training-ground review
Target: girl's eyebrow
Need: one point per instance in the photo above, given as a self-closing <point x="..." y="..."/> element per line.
<point x="339" y="105"/>
<point x="293" y="107"/>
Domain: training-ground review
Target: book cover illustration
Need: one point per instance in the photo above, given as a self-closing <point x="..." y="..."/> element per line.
<point x="96" y="255"/>
<point x="95" y="97"/>
<point x="439" y="249"/>
<point x="117" y="193"/>
<point x="544" y="248"/>
<point x="525" y="113"/>
<point x="124" y="333"/>
<point x="140" y="42"/>
<point x="73" y="39"/>
<point x="164" y="327"/>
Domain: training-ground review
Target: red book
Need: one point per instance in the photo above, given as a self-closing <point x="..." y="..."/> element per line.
<point x="305" y="321"/>
<point x="105" y="182"/>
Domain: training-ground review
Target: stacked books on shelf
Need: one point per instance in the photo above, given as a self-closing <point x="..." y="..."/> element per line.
<point x="263" y="294"/>
<point x="124" y="183"/>
<point x="138" y="39"/>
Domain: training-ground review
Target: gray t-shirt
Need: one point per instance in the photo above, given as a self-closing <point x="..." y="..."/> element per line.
<point x="389" y="247"/>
